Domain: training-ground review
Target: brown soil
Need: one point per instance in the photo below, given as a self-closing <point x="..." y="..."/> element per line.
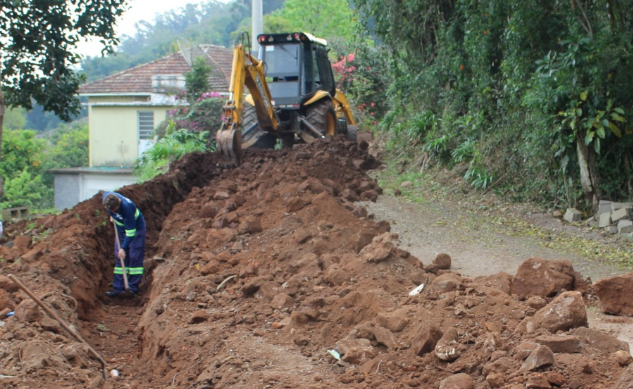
<point x="254" y="273"/>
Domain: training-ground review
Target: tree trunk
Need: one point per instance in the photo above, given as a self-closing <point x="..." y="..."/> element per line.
<point x="589" y="177"/>
<point x="2" y="111"/>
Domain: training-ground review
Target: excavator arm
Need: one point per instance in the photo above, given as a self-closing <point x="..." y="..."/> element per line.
<point x="247" y="72"/>
<point x="341" y="105"/>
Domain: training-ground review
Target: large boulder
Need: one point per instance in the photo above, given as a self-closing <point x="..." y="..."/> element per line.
<point x="380" y="249"/>
<point x="614" y="294"/>
<point x="565" y="312"/>
<point x="541" y="277"/>
<point x="445" y="283"/>
<point x="428" y="334"/>
<point x="541" y="357"/>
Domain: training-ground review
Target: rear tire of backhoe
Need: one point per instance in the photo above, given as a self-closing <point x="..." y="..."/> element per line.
<point x="352" y="133"/>
<point x="349" y="130"/>
<point x="254" y="137"/>
<point x="320" y="115"/>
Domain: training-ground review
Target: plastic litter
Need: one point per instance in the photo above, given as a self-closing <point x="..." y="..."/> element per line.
<point x="114" y="373"/>
<point x="10" y="314"/>
<point x="335" y="354"/>
<point x="417" y="290"/>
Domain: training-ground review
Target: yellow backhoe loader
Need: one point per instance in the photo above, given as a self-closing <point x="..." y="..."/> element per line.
<point x="292" y="98"/>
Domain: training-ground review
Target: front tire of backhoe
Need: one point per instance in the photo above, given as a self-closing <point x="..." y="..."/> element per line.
<point x="320" y="115"/>
<point x="252" y="134"/>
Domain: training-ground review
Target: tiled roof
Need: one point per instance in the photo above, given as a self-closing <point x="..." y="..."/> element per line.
<point x="139" y="78"/>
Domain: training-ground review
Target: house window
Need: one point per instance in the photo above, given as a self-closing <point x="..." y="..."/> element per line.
<point x="145" y="124"/>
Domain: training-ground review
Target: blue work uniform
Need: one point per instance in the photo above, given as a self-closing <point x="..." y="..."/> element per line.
<point x="130" y="226"/>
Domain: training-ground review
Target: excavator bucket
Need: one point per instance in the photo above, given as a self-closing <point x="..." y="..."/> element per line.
<point x="229" y="143"/>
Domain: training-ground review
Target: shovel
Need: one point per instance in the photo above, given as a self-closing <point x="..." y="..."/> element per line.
<point x="127" y="292"/>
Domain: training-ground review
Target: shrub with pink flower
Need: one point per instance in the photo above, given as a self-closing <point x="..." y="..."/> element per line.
<point x="204" y="114"/>
<point x="361" y="75"/>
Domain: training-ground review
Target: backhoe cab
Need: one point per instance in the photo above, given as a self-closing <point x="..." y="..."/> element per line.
<point x="292" y="97"/>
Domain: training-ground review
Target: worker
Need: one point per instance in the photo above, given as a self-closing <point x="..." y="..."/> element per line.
<point x="130" y="243"/>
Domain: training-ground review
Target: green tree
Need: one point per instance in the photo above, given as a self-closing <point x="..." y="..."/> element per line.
<point x="275" y="23"/>
<point x="197" y="80"/>
<point x="69" y="147"/>
<point x="324" y="19"/>
<point x="14" y="119"/>
<point x="27" y="157"/>
<point x="38" y="44"/>
<point x="26" y="190"/>
<point x="22" y="150"/>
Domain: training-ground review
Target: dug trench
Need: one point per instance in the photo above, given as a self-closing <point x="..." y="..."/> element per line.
<point x="270" y="275"/>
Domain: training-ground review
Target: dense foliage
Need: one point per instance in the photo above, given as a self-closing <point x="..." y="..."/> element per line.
<point x="26" y="157"/>
<point x="171" y="147"/>
<point x="330" y="20"/>
<point x="363" y="77"/>
<point x="534" y="97"/>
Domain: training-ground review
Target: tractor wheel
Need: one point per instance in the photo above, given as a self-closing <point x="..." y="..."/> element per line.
<point x="342" y="126"/>
<point x="321" y="116"/>
<point x="252" y="134"/>
<point x="352" y="133"/>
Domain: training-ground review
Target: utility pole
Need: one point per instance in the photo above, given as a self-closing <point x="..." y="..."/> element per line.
<point x="257" y="16"/>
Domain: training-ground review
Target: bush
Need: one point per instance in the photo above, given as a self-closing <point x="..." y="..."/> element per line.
<point x="175" y="144"/>
<point x="26" y="190"/>
<point x="362" y="75"/>
<point x="204" y="114"/>
<point x="26" y="158"/>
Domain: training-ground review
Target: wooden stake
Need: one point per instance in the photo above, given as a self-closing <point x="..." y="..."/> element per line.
<point x="67" y="327"/>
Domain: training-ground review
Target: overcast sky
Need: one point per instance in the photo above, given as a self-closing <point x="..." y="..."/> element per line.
<point x="139" y="10"/>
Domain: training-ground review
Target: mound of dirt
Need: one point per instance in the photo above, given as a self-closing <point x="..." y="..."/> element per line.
<point x="269" y="275"/>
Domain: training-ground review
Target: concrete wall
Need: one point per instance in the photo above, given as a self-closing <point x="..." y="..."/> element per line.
<point x="73" y="188"/>
<point x="93" y="183"/>
<point x="66" y="190"/>
<point x="113" y="133"/>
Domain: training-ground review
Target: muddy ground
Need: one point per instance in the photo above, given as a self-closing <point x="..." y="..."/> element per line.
<point x="276" y="275"/>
